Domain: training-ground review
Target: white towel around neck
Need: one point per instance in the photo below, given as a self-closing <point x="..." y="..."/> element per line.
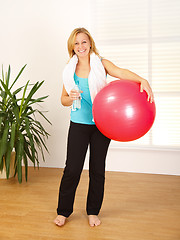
<point x="96" y="79"/>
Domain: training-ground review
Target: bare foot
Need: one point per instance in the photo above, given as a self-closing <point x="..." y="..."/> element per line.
<point x="94" y="220"/>
<point x="60" y="220"/>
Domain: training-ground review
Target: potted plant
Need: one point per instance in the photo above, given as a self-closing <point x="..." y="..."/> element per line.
<point x="19" y="128"/>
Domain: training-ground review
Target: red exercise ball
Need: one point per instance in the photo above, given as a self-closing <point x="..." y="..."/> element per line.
<point x="121" y="112"/>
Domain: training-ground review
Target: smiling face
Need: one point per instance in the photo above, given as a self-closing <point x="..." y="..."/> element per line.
<point x="82" y="45"/>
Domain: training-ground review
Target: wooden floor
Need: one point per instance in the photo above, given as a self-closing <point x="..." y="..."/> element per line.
<point x="135" y="207"/>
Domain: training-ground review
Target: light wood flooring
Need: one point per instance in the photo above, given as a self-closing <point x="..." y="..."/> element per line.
<point x="136" y="207"/>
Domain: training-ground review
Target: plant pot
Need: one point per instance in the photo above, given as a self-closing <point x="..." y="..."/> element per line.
<point x="11" y="171"/>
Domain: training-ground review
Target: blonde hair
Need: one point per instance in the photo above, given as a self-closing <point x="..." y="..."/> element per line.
<point x="71" y="41"/>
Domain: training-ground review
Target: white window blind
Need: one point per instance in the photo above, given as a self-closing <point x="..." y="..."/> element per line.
<point x="144" y="37"/>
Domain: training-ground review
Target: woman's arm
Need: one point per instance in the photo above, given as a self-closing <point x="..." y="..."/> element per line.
<point x="67" y="99"/>
<point x="125" y="74"/>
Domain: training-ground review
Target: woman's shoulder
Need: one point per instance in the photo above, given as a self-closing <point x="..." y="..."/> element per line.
<point x="105" y="62"/>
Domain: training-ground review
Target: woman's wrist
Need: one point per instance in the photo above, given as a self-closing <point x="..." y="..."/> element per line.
<point x="66" y="101"/>
<point x="143" y="80"/>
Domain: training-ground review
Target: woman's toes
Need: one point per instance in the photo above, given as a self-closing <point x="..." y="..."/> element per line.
<point x="94" y="221"/>
<point x="60" y="220"/>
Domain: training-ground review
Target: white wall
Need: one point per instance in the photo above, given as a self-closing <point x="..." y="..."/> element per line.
<point x="35" y="32"/>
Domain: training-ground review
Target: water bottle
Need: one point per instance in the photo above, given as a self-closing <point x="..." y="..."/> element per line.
<point x="76" y="103"/>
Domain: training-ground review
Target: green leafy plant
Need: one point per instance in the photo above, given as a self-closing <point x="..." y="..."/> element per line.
<point x="19" y="128"/>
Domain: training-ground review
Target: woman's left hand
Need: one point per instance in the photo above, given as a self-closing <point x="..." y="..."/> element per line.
<point x="146" y="87"/>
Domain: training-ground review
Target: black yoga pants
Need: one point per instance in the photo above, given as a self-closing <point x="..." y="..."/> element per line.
<point x="79" y="137"/>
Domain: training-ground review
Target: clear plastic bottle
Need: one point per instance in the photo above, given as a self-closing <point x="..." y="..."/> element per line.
<point x="76" y="103"/>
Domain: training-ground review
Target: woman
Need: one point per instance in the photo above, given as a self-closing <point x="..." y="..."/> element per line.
<point x="88" y="71"/>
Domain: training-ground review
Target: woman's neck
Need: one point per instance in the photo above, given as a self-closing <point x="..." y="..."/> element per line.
<point x="83" y="67"/>
<point x="84" y="61"/>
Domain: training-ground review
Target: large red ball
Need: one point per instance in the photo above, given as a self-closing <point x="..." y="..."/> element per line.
<point x="121" y="112"/>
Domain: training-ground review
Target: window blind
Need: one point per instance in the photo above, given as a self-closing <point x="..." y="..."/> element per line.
<point x="144" y="37"/>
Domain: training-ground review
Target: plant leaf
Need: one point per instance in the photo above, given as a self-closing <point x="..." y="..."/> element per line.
<point x="22" y="101"/>
<point x="26" y="165"/>
<point x="17" y="90"/>
<point x="32" y="92"/>
<point x="8" y="91"/>
<point x="8" y="76"/>
<point x="18" y="76"/>
<point x="19" y="155"/>
<point x="30" y="139"/>
<point x="2" y="74"/>
<point x="1" y="163"/>
<point x="8" y="160"/>
<point x="38" y="136"/>
<point x="44" y="116"/>
<point x="37" y="100"/>
<point x="16" y="113"/>
<point x="26" y="149"/>
<point x="3" y="145"/>
<point x="12" y="138"/>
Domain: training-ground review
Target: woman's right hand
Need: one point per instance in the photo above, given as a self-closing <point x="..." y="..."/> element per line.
<point x="74" y="94"/>
<point x="67" y="99"/>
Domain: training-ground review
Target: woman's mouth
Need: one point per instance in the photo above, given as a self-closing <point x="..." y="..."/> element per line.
<point x="81" y="51"/>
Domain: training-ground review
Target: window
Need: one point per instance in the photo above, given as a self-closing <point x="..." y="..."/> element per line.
<point x="144" y="37"/>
